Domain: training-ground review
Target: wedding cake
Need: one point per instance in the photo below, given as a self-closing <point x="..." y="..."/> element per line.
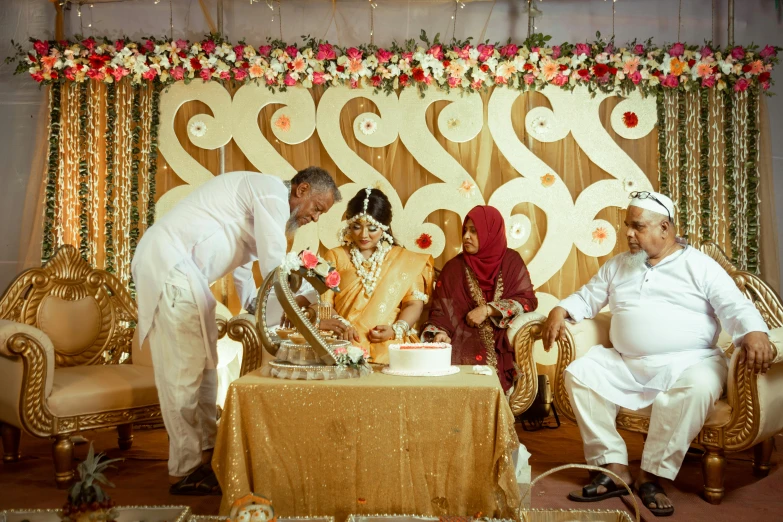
<point x="420" y="360"/>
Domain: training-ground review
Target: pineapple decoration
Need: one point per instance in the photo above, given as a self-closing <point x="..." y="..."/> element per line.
<point x="87" y="502"/>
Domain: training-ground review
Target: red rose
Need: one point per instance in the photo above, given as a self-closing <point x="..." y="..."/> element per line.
<point x="612" y="70"/>
<point x="484" y="68"/>
<point x="584" y="73"/>
<point x="376" y="81"/>
<point x="195" y="64"/>
<point x="403" y="80"/>
<point x="764" y="77"/>
<point x="333" y="279"/>
<point x="418" y="74"/>
<point x="563" y="67"/>
<point x="691" y="62"/>
<point x="746" y="68"/>
<point x="340" y="68"/>
<point x="424" y="241"/>
<point x="309" y="259"/>
<point x="528" y="67"/>
<point x="600" y="69"/>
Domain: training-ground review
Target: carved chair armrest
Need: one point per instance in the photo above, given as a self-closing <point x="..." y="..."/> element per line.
<point x="242" y="328"/>
<point x="27" y="369"/>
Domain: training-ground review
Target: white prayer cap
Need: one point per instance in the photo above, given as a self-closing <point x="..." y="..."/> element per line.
<point x="653" y="201"/>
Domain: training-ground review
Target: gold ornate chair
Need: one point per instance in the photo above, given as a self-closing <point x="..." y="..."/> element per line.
<point x="70" y="360"/>
<point x="751" y="410"/>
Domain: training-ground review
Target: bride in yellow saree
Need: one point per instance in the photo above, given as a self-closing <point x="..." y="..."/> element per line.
<point x="384" y="287"/>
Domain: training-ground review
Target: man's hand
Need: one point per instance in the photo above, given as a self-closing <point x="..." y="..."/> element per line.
<point x="441" y="337"/>
<point x="758" y="351"/>
<point x="343" y="331"/>
<point x="554" y="327"/>
<point x="381" y="333"/>
<point x="477" y="316"/>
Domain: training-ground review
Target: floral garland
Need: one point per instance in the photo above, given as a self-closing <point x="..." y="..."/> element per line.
<point x="729" y="174"/>
<point x="704" y="167"/>
<point x="111" y="120"/>
<point x="599" y="65"/>
<point x="753" y="183"/>
<point x="663" y="168"/>
<point x="153" y="156"/>
<point x="47" y="247"/>
<point x="84" y="232"/>
<point x="682" y="144"/>
<point x="136" y="151"/>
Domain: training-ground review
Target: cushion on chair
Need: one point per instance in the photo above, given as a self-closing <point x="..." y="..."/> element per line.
<point x="591" y="332"/>
<point x="719" y="416"/>
<point x="80" y="390"/>
<point x="72" y="326"/>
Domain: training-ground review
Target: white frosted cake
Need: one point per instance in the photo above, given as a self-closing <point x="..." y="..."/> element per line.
<point x="420" y="359"/>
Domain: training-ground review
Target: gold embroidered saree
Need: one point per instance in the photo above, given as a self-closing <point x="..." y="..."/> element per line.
<point x="405" y="276"/>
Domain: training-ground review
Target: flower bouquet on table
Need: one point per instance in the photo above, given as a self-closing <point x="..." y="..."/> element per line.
<point x="353" y="357"/>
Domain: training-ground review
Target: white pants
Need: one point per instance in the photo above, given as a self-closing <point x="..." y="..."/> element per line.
<point x="186" y="389"/>
<point x="677" y="417"/>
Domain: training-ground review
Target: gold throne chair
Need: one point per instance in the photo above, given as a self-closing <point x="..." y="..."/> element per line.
<point x="748" y="415"/>
<point x="69" y="360"/>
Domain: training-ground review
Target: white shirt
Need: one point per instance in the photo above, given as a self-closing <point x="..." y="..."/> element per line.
<point x="222" y="226"/>
<point x="665" y="318"/>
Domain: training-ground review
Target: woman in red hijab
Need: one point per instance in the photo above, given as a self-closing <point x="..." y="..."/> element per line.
<point x="478" y="294"/>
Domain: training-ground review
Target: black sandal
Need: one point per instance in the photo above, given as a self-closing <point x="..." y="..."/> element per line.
<point x="647" y="492"/>
<point x="590" y="491"/>
<point x="196" y="484"/>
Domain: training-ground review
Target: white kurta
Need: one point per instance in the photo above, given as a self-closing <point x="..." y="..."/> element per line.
<point x="224" y="225"/>
<point x="665" y="319"/>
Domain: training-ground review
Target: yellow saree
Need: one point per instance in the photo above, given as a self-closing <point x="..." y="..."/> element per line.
<point x="405" y="276"/>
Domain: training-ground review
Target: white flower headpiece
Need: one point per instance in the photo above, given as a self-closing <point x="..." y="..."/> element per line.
<point x="366" y="217"/>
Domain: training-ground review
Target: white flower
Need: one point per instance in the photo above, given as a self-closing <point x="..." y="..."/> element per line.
<point x="516" y="230"/>
<point x="368" y="126"/>
<point x="197" y="128"/>
<point x="540" y="125"/>
<point x="291" y="263"/>
<point x="355" y="354"/>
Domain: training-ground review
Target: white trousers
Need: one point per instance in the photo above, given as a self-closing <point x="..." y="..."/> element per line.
<point x="677" y="417"/>
<point x="186" y="389"/>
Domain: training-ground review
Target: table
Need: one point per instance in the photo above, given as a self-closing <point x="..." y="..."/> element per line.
<point x="377" y="444"/>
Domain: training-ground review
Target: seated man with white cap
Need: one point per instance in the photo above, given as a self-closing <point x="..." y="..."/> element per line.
<point x="666" y="299"/>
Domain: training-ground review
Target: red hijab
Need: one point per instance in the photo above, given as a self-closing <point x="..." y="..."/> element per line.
<point x="491" y="232"/>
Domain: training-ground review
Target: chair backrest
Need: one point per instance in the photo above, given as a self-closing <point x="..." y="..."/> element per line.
<point x="87" y="313"/>
<point x="767" y="301"/>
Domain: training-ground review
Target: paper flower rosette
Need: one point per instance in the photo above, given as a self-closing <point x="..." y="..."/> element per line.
<point x="252" y="508"/>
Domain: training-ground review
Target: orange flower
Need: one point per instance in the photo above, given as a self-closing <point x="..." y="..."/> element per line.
<point x="256" y="71"/>
<point x="599" y="235"/>
<point x="677" y="67"/>
<point x="548" y="180"/>
<point x="757" y="67"/>
<point x="549" y="69"/>
<point x="283" y="123"/>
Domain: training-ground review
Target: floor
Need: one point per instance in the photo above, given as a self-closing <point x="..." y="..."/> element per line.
<point x="141" y="478"/>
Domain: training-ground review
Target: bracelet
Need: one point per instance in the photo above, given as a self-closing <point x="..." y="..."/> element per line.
<point x="342" y="320"/>
<point x="401" y="328"/>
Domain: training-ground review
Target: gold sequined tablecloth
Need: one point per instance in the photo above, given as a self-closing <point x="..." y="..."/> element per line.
<point x="378" y="444"/>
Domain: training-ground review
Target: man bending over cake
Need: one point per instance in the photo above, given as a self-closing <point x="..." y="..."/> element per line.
<point x="221" y="227"/>
<point x="666" y="299"/>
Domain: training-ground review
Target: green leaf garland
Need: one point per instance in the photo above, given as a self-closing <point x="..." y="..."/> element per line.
<point x="50" y="196"/>
<point x="136" y="152"/>
<point x="153" y="157"/>
<point x="729" y="174"/>
<point x="704" y="166"/>
<point x="663" y="167"/>
<point x="111" y="122"/>
<point x="752" y="187"/>
<point x="84" y="232"/>
<point x="683" y="165"/>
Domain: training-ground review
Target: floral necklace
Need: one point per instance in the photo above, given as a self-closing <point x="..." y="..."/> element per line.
<point x="369" y="270"/>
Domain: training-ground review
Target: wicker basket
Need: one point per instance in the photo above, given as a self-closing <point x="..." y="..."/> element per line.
<point x="580" y="515"/>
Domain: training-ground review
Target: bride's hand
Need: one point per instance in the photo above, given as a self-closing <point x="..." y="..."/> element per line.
<point x="441" y="337"/>
<point x="381" y="333"/>
<point x="477" y="316"/>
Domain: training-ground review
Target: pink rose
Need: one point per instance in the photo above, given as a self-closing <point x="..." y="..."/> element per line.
<point x="89" y="43"/>
<point x="95" y="74"/>
<point x="407" y="56"/>
<point x="208" y="46"/>
<point x="535" y="49"/>
<point x="476" y="85"/>
<point x="556" y="52"/>
<point x="291" y="51"/>
<point x="509" y="50"/>
<point x="582" y="48"/>
<point x="309" y="259"/>
<point x="264" y="50"/>
<point x="70" y="73"/>
<point x="609" y="49"/>
<point x="119" y="73"/>
<point x="225" y="75"/>
<point x="560" y="80"/>
<point x="354" y="84"/>
<point x="383" y="55"/>
<point x="239" y="74"/>
<point x="376" y="81"/>
<point x="499" y="80"/>
<point x="436" y="51"/>
<point x="485" y="52"/>
<point x="636" y="77"/>
<point x="765" y="85"/>
<point x="738" y="53"/>
<point x="333" y="279"/>
<point x="768" y="52"/>
<point x="181" y="44"/>
<point x="41" y="47"/>
<point x="326" y="52"/>
<point x="638" y="49"/>
<point x="741" y="85"/>
<point x="318" y="78"/>
<point x="119" y="45"/>
<point x="463" y="52"/>
<point x="529" y="79"/>
<point x="706" y="51"/>
<point x="239" y="51"/>
<point x="289" y="80"/>
<point x="178" y="73"/>
<point x="37" y="76"/>
<point x="454" y="81"/>
<point x="677" y="49"/>
<point x="149" y="45"/>
<point x="354" y="54"/>
<point x="271" y="80"/>
<point x="670" y="81"/>
<point x="149" y="74"/>
<point x="708" y="81"/>
<point x="205" y="73"/>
